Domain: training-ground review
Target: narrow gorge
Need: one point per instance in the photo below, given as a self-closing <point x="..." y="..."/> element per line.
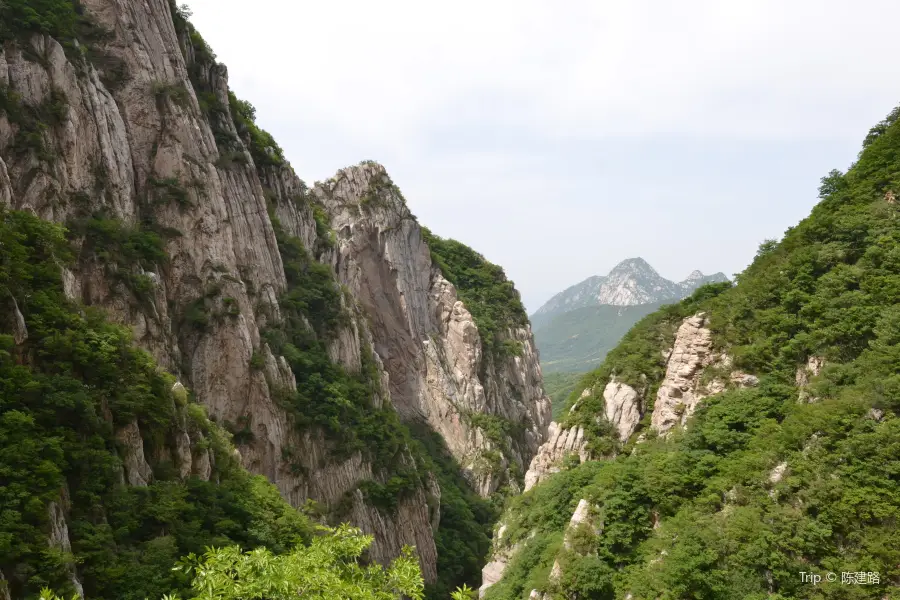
<point x="317" y="336"/>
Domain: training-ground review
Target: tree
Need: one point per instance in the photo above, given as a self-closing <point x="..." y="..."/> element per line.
<point x="326" y="569"/>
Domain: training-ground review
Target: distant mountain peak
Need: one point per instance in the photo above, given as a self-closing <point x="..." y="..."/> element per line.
<point x="632" y="282"/>
<point x="695" y="275"/>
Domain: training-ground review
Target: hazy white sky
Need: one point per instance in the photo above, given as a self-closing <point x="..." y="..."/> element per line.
<point x="558" y="138"/>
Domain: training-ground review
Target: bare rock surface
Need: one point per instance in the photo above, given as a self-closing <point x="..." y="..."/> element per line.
<point x="622" y="407"/>
<point x="124" y="136"/>
<point x="680" y="392"/>
<point x="561" y="443"/>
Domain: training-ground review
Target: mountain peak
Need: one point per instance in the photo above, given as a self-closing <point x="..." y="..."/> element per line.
<point x="633" y="265"/>
<point x="632" y="282"/>
<point x="695" y="275"/>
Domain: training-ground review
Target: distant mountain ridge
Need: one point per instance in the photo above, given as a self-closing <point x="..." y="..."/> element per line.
<point x="577" y="327"/>
<point x="632" y="282"/>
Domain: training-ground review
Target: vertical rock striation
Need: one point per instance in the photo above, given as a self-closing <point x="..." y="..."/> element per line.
<point x="139" y="138"/>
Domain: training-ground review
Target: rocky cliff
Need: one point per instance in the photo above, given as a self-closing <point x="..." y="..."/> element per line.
<point x="126" y="131"/>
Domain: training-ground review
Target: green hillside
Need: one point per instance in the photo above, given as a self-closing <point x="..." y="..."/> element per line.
<point x="760" y="486"/>
<point x="578" y="340"/>
<point x="559" y="386"/>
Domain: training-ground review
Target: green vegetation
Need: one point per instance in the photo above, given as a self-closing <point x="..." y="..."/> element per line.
<point x="559" y="386"/>
<point x="577" y="341"/>
<point x="483" y="287"/>
<point x="32" y="122"/>
<point x="463" y="538"/>
<point x="327" y="395"/>
<point x="759" y="486"/>
<point x="638" y="361"/>
<point x="225" y="116"/>
<point x="265" y="151"/>
<point x="327" y="568"/>
<point x="340" y="404"/>
<point x="19" y="18"/>
<point x="55" y="388"/>
<point x="126" y="253"/>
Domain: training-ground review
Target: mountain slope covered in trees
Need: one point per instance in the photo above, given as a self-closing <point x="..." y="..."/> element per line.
<point x="798" y="471"/>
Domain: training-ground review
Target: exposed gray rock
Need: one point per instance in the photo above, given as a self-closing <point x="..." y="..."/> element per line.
<point x="876" y="414"/>
<point x="59" y="537"/>
<point x="392" y="532"/>
<point x="777" y="473"/>
<point x="4" y="588"/>
<point x="137" y="472"/>
<point x="679" y="394"/>
<point x="631" y="283"/>
<point x="421" y="338"/>
<point x="560" y="444"/>
<point x="804" y="374"/>
<point x="19" y="330"/>
<point x="493" y="570"/>
<point x="427" y="339"/>
<point x="622" y="407"/>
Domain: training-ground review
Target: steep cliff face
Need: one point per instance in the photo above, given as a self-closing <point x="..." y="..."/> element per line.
<point x="182" y="211"/>
<point x="432" y="351"/>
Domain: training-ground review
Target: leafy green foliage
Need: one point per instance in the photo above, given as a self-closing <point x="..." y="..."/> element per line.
<point x="55" y="388"/>
<point x="463" y="538"/>
<point x="327" y="395"/>
<point x="265" y="150"/>
<point x="57" y="18"/>
<point x="759" y="486"/>
<point x="327" y="568"/>
<point x="340" y="404"/>
<point x="32" y="122"/>
<point x="637" y="361"/>
<point x="482" y="286"/>
<point x="559" y="386"/>
<point x="578" y="340"/>
<point x="126" y="252"/>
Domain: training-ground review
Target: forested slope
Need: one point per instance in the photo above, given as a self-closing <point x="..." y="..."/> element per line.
<point x="790" y="461"/>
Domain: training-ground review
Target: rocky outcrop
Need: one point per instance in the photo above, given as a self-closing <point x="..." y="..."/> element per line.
<point x="137" y="472"/>
<point x="561" y="444"/>
<point x="4" y="588"/>
<point x="425" y="336"/>
<point x="500" y="559"/>
<point x="59" y="538"/>
<point x="134" y="143"/>
<point x="622" y="407"/>
<point x="680" y="392"/>
<point x="583" y="517"/>
<point x="693" y="372"/>
<point x="19" y="330"/>
<point x="805" y="374"/>
<point x="392" y="532"/>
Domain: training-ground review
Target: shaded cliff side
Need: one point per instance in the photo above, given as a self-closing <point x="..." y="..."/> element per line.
<point x="311" y="323"/>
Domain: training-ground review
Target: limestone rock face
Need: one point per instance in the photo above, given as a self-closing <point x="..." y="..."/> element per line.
<point x="561" y="443"/>
<point x="137" y="472"/>
<point x="680" y="392"/>
<point x="622" y="406"/>
<point x="59" y="538"/>
<point x="120" y="136"/>
<point x="493" y="571"/>
<point x="20" y="331"/>
<point x="425" y="336"/>
<point x="805" y="373"/>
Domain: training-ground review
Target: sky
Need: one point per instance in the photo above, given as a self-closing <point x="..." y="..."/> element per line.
<point x="558" y="139"/>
